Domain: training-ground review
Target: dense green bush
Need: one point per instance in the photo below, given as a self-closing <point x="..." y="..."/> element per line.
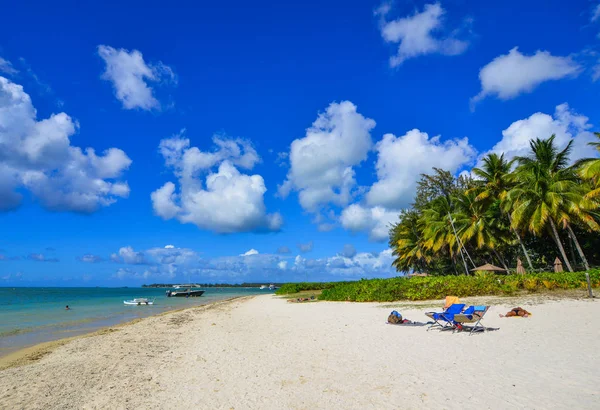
<point x="437" y="287"/>
<point x="289" y="288"/>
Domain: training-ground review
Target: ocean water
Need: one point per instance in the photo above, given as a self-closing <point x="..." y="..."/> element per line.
<point x="33" y="315"/>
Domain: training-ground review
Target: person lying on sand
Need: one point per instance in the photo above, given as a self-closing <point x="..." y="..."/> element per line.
<point x="518" y="311"/>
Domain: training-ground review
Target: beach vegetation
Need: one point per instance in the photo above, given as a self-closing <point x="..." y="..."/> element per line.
<point x="438" y="287"/>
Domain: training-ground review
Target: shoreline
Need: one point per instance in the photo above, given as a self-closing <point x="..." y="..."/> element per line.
<point x="31" y="353"/>
<point x="32" y="316"/>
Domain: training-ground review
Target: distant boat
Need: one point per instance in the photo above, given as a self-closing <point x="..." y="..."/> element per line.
<point x="139" y="302"/>
<point x="264" y="287"/>
<point x="272" y="287"/>
<point x="188" y="293"/>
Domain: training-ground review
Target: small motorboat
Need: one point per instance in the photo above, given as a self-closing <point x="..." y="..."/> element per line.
<point x="187" y="293"/>
<point x="139" y="302"/>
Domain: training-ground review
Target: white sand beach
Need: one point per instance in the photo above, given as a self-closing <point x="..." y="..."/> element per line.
<point x="264" y="353"/>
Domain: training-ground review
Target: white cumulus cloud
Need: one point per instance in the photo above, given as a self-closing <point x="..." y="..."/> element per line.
<point x="515" y="73"/>
<point x="227" y="200"/>
<point x="419" y="34"/>
<point x="322" y="162"/>
<point x="566" y="124"/>
<point x="130" y="75"/>
<point x="375" y="220"/>
<point x="401" y="161"/>
<point x="37" y="155"/>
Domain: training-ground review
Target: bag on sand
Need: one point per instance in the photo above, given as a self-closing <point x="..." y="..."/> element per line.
<point x="395" y="317"/>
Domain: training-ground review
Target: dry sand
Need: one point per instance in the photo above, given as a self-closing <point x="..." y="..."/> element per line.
<point x="264" y="353"/>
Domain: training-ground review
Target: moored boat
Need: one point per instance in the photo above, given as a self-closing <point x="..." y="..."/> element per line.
<point x="187" y="293"/>
<point x="139" y="302"/>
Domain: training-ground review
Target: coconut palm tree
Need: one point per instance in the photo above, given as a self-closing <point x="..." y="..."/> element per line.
<point x="495" y="176"/>
<point x="589" y="170"/>
<point x="436" y="226"/>
<point x="545" y="190"/>
<point x="479" y="224"/>
<point x="405" y="240"/>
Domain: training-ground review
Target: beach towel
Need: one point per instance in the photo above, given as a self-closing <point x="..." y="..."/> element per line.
<point x="451" y="300"/>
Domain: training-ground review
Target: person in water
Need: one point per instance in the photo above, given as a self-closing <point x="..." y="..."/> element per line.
<point x="67" y="307"/>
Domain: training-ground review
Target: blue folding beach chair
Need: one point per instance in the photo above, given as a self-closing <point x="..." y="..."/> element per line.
<point x="445" y="319"/>
<point x="473" y="314"/>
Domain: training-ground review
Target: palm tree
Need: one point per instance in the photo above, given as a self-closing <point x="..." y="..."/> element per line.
<point x="436" y="226"/>
<point x="479" y="224"/>
<point x="495" y="176"/>
<point x="577" y="207"/>
<point x="545" y="190"/>
<point x="589" y="170"/>
<point x="406" y="243"/>
<point x="439" y="234"/>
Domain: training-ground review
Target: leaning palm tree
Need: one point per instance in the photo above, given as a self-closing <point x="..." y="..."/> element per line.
<point x="589" y="170"/>
<point x="544" y="184"/>
<point x="436" y="226"/>
<point x="495" y="176"/>
<point x="439" y="235"/>
<point x="406" y="243"/>
<point x="479" y="224"/>
<point x="578" y="207"/>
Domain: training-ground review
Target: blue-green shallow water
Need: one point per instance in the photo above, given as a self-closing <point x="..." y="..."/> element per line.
<point x="34" y="315"/>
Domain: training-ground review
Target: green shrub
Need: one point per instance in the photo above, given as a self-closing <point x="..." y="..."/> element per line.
<point x="289" y="288"/>
<point x="437" y="287"/>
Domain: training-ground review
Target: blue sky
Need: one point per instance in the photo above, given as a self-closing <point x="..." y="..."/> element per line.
<point x="225" y="135"/>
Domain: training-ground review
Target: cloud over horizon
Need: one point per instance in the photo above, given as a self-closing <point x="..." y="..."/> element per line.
<point x="181" y="264"/>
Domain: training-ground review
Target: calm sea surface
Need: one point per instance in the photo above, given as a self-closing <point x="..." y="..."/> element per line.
<point x="34" y="315"/>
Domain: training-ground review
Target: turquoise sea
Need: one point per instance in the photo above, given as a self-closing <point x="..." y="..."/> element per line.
<point x="33" y="315"/>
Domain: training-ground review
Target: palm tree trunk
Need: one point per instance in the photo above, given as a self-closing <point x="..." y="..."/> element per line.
<point x="585" y="262"/>
<point x="453" y="259"/>
<point x="571" y="251"/>
<point x="522" y="244"/>
<point x="500" y="259"/>
<point x="559" y="244"/>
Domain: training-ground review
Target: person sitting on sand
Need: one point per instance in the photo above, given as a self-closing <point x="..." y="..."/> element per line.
<point x="518" y="311"/>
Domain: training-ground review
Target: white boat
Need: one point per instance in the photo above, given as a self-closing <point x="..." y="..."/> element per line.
<point x="139" y="302"/>
<point x="264" y="287"/>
